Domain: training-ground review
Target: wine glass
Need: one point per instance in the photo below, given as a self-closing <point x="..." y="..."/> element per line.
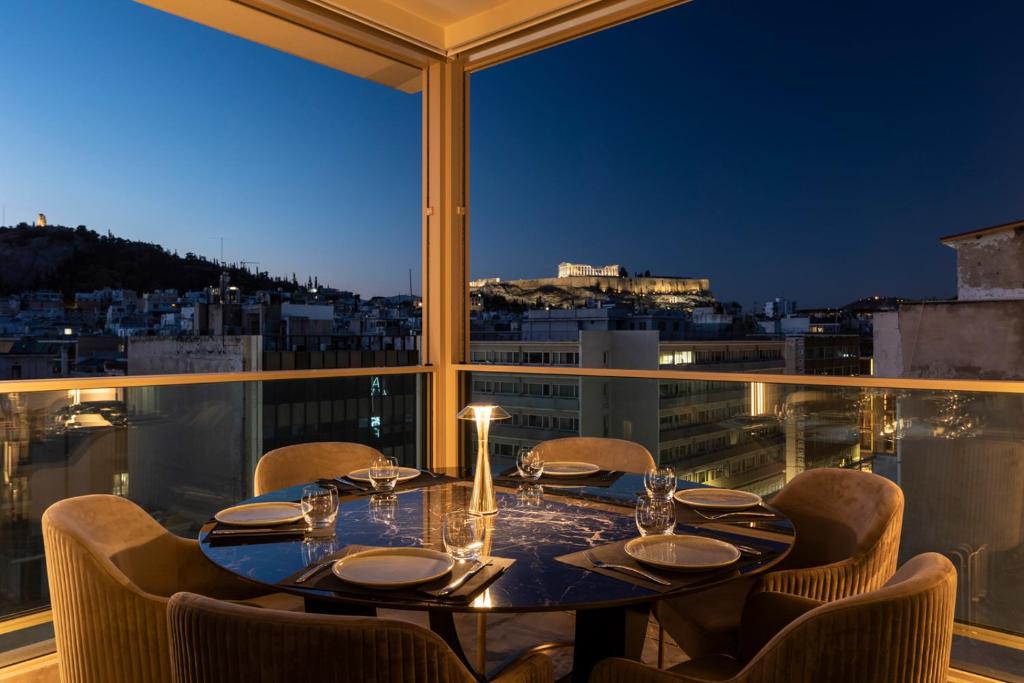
<point x="655" y="515"/>
<point x="383" y="473"/>
<point x="529" y="464"/>
<point x="660" y="482"/>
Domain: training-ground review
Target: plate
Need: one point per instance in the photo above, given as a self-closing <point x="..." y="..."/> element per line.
<point x="718" y="499"/>
<point x="682" y="553"/>
<point x="404" y="474"/>
<point x="568" y="468"/>
<point x="393" y="567"/>
<point x="260" y="514"/>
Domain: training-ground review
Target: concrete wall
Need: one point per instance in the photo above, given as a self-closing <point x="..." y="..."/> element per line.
<point x="956" y="339"/>
<point x="174" y="355"/>
<point x="620" y="408"/>
<point x="990" y="266"/>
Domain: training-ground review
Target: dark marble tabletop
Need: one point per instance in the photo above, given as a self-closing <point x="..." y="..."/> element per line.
<point x="531" y="529"/>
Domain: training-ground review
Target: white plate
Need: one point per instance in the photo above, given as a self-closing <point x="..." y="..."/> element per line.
<point x="682" y="553"/>
<point x="566" y="468"/>
<point x="393" y="567"/>
<point x="718" y="499"/>
<point x="260" y="514"/>
<point x="404" y="474"/>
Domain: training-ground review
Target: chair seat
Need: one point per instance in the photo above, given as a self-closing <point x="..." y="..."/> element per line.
<point x="710" y="668"/>
<point x="281" y="601"/>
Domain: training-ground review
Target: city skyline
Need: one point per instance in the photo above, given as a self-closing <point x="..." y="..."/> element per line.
<point x="895" y="134"/>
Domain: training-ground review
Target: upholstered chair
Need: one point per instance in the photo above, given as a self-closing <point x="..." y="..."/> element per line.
<point x="609" y="454"/>
<point x="900" y="633"/>
<point x="847" y="526"/>
<point x="306" y="462"/>
<point x="111" y="569"/>
<point x="219" y="642"/>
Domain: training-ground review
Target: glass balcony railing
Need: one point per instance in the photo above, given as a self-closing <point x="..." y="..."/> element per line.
<point x="958" y="456"/>
<point x="181" y="451"/>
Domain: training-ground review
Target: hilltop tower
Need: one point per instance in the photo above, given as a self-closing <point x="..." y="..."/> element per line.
<point x="41" y="220"/>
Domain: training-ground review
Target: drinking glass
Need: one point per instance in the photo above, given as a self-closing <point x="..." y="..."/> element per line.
<point x="655" y="515"/>
<point x="383" y="473"/>
<point x="319" y="505"/>
<point x="660" y="482"/>
<point x="529" y="464"/>
<point x="463" y="535"/>
<point x="316" y="550"/>
<point x="384" y="508"/>
<point x="530" y="495"/>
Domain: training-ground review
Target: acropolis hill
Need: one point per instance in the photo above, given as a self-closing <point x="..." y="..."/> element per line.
<point x="575" y="290"/>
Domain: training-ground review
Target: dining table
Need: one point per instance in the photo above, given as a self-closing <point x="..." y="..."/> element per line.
<point x="539" y="538"/>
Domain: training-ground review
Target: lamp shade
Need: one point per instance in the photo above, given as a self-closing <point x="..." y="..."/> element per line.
<point x="483" y="411"/>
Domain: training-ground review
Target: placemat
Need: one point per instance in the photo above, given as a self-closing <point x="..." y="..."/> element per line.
<point x="600" y="479"/>
<point x="248" y="535"/>
<point x="616" y="554"/>
<point x="686" y="514"/>
<point x="326" y="580"/>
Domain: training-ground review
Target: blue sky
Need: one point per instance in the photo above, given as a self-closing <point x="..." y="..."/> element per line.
<point x="810" y="150"/>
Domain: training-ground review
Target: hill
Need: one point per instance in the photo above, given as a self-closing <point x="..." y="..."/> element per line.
<point x="73" y="260"/>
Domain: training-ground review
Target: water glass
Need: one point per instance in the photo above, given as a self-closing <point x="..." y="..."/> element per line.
<point x="463" y="535"/>
<point x="529" y="464"/>
<point x="530" y="495"/>
<point x="384" y="508"/>
<point x="319" y="505"/>
<point x="316" y="550"/>
<point x="383" y="473"/>
<point x="655" y="515"/>
<point x="660" y="482"/>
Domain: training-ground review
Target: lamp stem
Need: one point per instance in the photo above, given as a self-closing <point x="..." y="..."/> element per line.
<point x="483" y="501"/>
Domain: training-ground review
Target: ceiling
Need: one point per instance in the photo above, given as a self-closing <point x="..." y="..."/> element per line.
<point x="391" y="41"/>
<point x="451" y="25"/>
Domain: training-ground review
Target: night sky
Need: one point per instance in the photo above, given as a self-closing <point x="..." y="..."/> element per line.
<point x="811" y="150"/>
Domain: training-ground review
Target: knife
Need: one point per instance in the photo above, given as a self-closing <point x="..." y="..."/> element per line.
<point x="257" y="532"/>
<point x="457" y="583"/>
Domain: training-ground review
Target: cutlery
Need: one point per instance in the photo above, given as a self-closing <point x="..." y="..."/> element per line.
<point x="722" y="515"/>
<point x="313" y="571"/>
<point x="435" y="475"/>
<point x="457" y="583"/>
<point x="749" y="550"/>
<point x="625" y="569"/>
<point x="257" y="532"/>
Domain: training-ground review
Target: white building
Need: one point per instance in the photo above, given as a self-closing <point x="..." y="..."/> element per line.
<point x="587" y="270"/>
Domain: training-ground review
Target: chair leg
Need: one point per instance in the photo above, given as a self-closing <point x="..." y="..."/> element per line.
<point x="481" y="643"/>
<point x="661" y="637"/>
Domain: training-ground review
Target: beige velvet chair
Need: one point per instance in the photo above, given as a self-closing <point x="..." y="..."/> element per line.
<point x="847" y="526"/>
<point x="111" y="569"/>
<point x="900" y="633"/>
<point x="608" y="454"/>
<point x="306" y="462"/>
<point x="220" y="642"/>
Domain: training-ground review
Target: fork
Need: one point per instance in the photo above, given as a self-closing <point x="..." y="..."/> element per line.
<point x="624" y="569"/>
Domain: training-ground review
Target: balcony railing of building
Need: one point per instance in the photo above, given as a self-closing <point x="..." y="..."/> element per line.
<point x="956" y="448"/>
<point x="181" y="446"/>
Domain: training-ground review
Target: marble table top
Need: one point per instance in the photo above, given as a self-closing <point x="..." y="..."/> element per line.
<point x="530" y="528"/>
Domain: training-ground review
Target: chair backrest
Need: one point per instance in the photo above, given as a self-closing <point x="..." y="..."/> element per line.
<point x="106" y="562"/>
<point x="609" y="454"/>
<point x="841" y="514"/>
<point x="220" y="642"/>
<point x="305" y="462"/>
<point x="900" y="633"/>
